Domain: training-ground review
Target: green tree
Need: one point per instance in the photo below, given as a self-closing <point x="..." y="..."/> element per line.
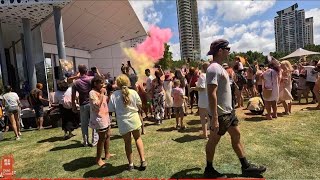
<point x="312" y="47"/>
<point x="278" y="55"/>
<point x="166" y="61"/>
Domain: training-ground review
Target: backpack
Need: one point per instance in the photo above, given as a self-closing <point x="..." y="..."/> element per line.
<point x="67" y="102"/>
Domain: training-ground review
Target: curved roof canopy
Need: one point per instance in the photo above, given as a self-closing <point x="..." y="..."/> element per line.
<point x="88" y="24"/>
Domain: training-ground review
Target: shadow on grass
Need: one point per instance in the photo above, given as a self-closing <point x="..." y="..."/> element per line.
<point x="107" y="170"/>
<point x="52" y="139"/>
<point x="169" y="129"/>
<point x="194" y="173"/>
<point x="81" y="163"/>
<point x="70" y="146"/>
<point x="256" y="119"/>
<point x="7" y="139"/>
<point x="187" y="138"/>
<point x="252" y="114"/>
<point x="188" y="173"/>
<point x="194" y="122"/>
<point x="115" y="137"/>
<point x="190" y="130"/>
<point x="311" y="109"/>
<point x="150" y="124"/>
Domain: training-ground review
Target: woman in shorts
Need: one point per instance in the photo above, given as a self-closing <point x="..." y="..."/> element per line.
<point x="12" y="106"/>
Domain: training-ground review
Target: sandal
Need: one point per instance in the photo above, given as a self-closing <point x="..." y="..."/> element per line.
<point x="130" y="167"/>
<point x="143" y="166"/>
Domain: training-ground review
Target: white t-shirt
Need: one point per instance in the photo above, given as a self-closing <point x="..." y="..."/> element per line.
<point x="11" y="99"/>
<point x="128" y="118"/>
<point x="203" y="97"/>
<point x="311" y="77"/>
<point x="149" y="83"/>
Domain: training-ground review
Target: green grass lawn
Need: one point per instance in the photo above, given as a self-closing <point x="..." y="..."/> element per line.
<point x="289" y="146"/>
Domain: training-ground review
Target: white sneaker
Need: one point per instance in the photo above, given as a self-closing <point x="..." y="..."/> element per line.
<point x="18" y="138"/>
<point x="19" y="133"/>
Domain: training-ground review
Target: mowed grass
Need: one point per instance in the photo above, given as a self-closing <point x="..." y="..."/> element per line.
<point x="289" y="146"/>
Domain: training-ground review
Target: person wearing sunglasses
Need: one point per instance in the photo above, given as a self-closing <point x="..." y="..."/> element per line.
<point x="223" y="118"/>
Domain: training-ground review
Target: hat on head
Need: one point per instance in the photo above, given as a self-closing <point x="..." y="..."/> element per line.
<point x="216" y="45"/>
<point x="225" y="65"/>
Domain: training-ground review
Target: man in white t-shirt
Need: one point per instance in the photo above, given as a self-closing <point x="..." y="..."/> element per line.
<point x="311" y="79"/>
<point x="223" y="115"/>
<point x="148" y="90"/>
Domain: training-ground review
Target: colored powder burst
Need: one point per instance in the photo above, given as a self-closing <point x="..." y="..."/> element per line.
<point x="150" y="51"/>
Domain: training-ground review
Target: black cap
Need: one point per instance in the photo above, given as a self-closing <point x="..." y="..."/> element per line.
<point x="216" y="45"/>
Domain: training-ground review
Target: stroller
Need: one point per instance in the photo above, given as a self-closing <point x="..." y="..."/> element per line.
<point x="295" y="82"/>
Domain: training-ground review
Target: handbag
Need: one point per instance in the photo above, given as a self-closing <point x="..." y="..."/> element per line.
<point x="267" y="92"/>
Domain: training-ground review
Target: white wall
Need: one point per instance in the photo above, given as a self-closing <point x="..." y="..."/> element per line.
<point x="81" y="61"/>
<point x="52" y="49"/>
<point x="110" y="59"/>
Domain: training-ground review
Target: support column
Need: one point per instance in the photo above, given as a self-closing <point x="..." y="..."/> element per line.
<point x="17" y="78"/>
<point x="32" y="78"/>
<point x="59" y="36"/>
<point x="4" y="69"/>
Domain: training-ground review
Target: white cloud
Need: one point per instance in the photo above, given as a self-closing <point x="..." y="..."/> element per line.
<point x="235" y="31"/>
<point x="315" y="13"/>
<point x="267" y="28"/>
<point x="256" y="36"/>
<point x="254" y="42"/>
<point x="208" y="28"/>
<point x="240" y="10"/>
<point x="175" y="49"/>
<point x="204" y="5"/>
<point x="235" y="10"/>
<point x="146" y="12"/>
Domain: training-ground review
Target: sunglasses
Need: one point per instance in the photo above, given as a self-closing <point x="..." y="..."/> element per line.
<point x="226" y="48"/>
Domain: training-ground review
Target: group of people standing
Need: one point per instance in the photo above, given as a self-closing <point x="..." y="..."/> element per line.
<point x="12" y="105"/>
<point x="274" y="82"/>
<point x="216" y="88"/>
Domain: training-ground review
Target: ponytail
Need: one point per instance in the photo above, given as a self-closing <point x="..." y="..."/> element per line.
<point x="123" y="83"/>
<point x="125" y="95"/>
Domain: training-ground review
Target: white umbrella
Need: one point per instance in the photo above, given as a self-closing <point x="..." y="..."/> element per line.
<point x="300" y="52"/>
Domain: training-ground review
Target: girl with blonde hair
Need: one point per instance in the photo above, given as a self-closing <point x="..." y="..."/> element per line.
<point x="126" y="103"/>
<point x="286" y="86"/>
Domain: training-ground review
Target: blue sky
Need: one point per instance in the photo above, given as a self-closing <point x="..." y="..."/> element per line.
<point x="248" y="25"/>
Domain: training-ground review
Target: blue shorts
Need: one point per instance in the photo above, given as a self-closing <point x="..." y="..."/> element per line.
<point x="38" y="111"/>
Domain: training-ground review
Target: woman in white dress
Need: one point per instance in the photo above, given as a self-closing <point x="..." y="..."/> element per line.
<point x="286" y="86"/>
<point x="167" y="85"/>
<point x="126" y="103"/>
<point x="271" y="83"/>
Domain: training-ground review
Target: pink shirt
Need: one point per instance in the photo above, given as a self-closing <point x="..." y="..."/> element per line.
<point x="99" y="114"/>
<point x="177" y="94"/>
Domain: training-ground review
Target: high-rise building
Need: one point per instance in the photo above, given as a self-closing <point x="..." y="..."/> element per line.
<point x="290" y="29"/>
<point x="309" y="31"/>
<point x="188" y="29"/>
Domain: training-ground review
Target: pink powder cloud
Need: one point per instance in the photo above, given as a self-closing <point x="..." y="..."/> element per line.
<point x="153" y="46"/>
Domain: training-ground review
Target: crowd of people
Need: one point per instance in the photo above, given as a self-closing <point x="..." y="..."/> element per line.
<point x="214" y="89"/>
